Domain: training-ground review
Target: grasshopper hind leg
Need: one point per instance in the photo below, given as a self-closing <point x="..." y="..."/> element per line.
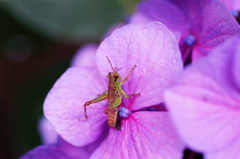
<point x="85" y="109"/>
<point x="95" y="100"/>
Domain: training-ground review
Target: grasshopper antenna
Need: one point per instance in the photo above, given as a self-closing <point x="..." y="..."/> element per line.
<point x="118" y="69"/>
<point x="110" y="64"/>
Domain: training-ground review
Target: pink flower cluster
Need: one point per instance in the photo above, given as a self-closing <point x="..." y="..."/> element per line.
<point x="196" y="107"/>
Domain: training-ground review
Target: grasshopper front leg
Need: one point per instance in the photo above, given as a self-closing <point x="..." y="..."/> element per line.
<point x="129" y="74"/>
<point x="125" y="95"/>
<point x="95" y="100"/>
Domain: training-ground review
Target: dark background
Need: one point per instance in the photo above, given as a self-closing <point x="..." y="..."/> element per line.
<point x="38" y="39"/>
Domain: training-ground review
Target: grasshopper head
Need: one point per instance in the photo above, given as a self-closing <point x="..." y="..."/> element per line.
<point x="115" y="75"/>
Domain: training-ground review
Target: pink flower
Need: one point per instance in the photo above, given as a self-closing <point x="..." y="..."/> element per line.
<point x="203" y="24"/>
<point x="85" y="56"/>
<point x="145" y="134"/>
<point x="54" y="146"/>
<point x="47" y="132"/>
<point x="232" y="5"/>
<point x="62" y="150"/>
<point x="205" y="103"/>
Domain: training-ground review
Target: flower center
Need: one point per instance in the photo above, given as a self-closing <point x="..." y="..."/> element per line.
<point x="124" y="112"/>
<point x="190" y="40"/>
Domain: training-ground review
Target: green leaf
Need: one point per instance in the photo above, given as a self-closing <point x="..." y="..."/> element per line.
<point x="81" y="20"/>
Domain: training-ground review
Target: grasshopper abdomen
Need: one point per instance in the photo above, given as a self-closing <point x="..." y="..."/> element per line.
<point x="112" y="117"/>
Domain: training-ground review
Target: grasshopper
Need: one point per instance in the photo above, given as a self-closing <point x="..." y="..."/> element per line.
<point x="114" y="96"/>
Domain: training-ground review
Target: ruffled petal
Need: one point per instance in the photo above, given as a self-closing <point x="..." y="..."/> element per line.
<point x="212" y="24"/>
<point x="232" y="4"/>
<point x="154" y="49"/>
<point x="144" y="135"/>
<point x="163" y="11"/>
<point x="204" y="101"/>
<point x="63" y="106"/>
<point x="85" y="56"/>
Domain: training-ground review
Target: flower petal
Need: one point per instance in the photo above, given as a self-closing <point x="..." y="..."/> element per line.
<point x="232" y="4"/>
<point x="230" y="151"/>
<point x="154" y="49"/>
<point x="47" y="132"/>
<point x="212" y="24"/>
<point x="85" y="56"/>
<point x="62" y="150"/>
<point x="236" y="64"/>
<point x="63" y="106"/>
<point x="163" y="11"/>
<point x="45" y="152"/>
<point x="204" y="101"/>
<point x="144" y="135"/>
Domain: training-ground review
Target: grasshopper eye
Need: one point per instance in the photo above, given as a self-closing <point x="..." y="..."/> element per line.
<point x="116" y="76"/>
<point x="109" y="73"/>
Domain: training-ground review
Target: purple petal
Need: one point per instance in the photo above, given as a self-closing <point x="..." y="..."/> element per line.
<point x="163" y="11"/>
<point x="154" y="49"/>
<point x="63" y="106"/>
<point x="232" y="4"/>
<point x="62" y="150"/>
<point x="236" y="64"/>
<point x="204" y="101"/>
<point x="211" y="23"/>
<point x="80" y="152"/>
<point x="47" y="131"/>
<point x="45" y="152"/>
<point x="144" y="135"/>
<point x="231" y="151"/>
<point x="85" y="56"/>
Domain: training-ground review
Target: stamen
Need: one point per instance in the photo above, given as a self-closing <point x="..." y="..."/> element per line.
<point x="124" y="112"/>
<point x="190" y="40"/>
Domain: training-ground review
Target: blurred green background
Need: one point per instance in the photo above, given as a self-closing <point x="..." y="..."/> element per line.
<point x="38" y="39"/>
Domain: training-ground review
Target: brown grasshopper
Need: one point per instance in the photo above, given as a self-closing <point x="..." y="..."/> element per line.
<point x="114" y="96"/>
